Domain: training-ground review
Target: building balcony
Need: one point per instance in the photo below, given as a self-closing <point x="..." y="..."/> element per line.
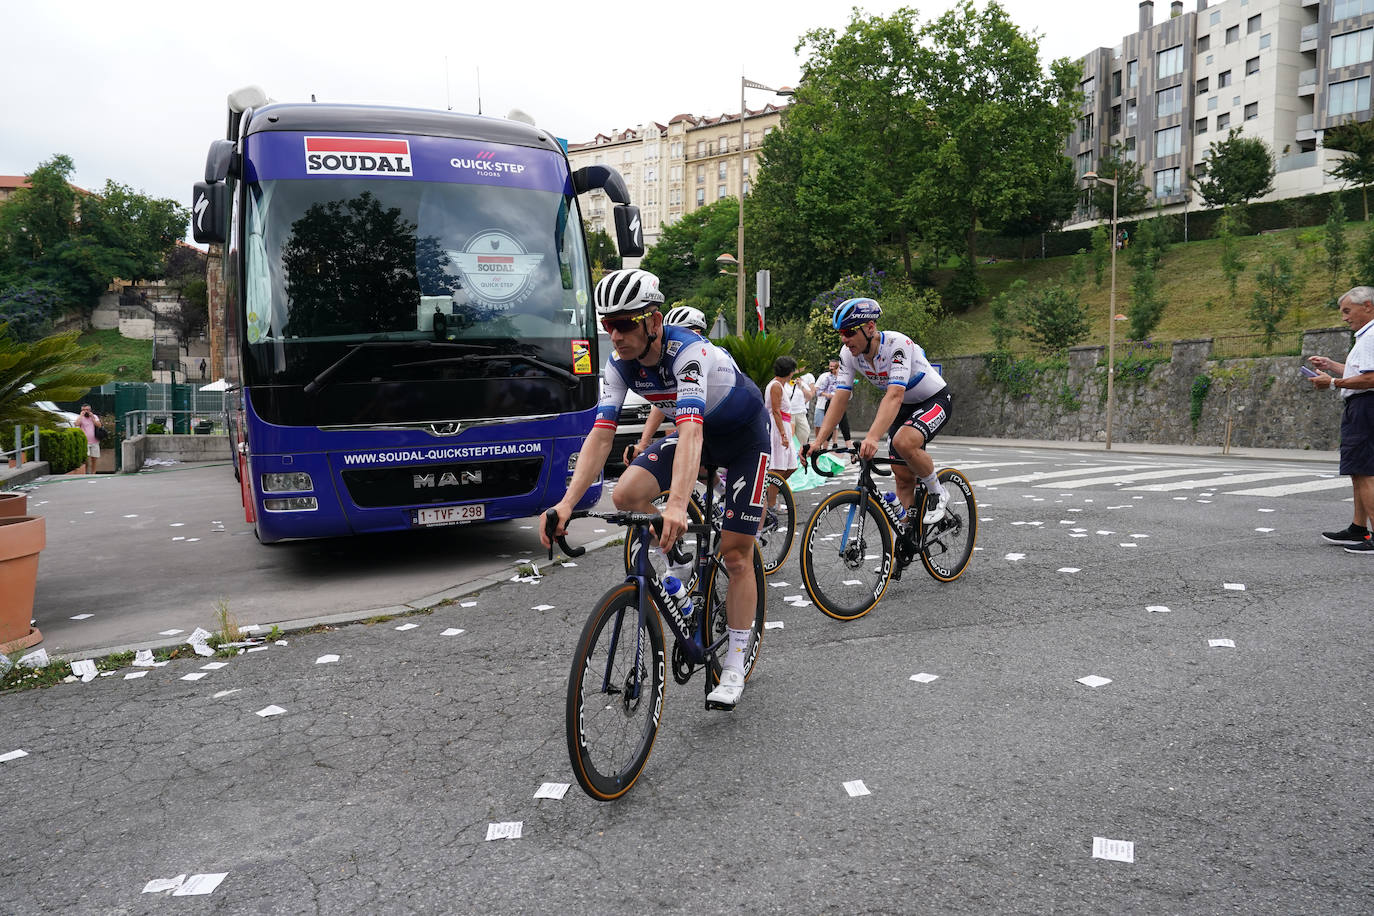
<point x="1307" y="82"/>
<point x="1306" y="127"/>
<point x="1297" y="161"/>
<point x="1307" y="40"/>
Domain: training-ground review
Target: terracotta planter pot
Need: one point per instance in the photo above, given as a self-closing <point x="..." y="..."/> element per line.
<point x="21" y="539"/>
<point x="13" y="505"/>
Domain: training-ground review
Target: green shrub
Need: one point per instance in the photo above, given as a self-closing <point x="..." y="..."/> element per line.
<point x="63" y="449"/>
<point x="157" y="429"/>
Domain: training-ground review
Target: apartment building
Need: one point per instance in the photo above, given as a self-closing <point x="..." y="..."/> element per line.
<point x="672" y="169"/>
<point x="1280" y="70"/>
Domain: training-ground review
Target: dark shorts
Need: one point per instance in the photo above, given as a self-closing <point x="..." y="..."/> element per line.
<point x="1357" y="436"/>
<point x="743" y="457"/>
<point x="926" y="417"/>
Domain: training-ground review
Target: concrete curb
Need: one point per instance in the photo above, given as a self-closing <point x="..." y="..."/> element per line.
<point x="1143" y="448"/>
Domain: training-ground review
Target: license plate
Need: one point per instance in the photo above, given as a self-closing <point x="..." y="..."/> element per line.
<point x="449" y="515"/>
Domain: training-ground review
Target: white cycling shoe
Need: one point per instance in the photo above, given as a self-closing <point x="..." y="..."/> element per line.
<point x="728" y="691"/>
<point x="937" y="512"/>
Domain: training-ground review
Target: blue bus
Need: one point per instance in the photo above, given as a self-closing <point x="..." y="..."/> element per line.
<point x="409" y="334"/>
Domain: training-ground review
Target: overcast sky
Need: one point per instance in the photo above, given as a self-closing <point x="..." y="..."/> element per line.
<point x="135" y="91"/>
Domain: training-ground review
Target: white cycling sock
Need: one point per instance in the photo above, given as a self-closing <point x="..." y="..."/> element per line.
<point x="738" y="653"/>
<point x="933" y="485"/>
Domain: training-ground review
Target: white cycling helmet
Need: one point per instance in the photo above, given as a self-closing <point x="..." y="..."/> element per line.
<point x="687" y="317"/>
<point x="627" y="291"/>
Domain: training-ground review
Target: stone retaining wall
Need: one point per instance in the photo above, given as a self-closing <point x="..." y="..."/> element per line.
<point x="1268" y="402"/>
<point x="139" y="449"/>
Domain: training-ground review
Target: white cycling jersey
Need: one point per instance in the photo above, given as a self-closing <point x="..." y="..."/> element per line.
<point x="899" y="362"/>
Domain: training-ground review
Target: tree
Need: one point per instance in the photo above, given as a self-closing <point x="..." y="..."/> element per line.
<point x="1050" y="204"/>
<point x="40" y="217"/>
<point x="1055" y="318"/>
<point x="684" y="259"/>
<point x="30" y="310"/>
<point x="1274" y="297"/>
<point x="1131" y="194"/>
<point x="1229" y="225"/>
<point x="1357" y="139"/>
<point x="1336" y="246"/>
<point x="1239" y="169"/>
<point x="1151" y="241"/>
<point x="601" y="252"/>
<point x="54" y="366"/>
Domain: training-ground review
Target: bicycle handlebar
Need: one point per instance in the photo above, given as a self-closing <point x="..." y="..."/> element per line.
<point x="652" y="519"/>
<point x="873" y="464"/>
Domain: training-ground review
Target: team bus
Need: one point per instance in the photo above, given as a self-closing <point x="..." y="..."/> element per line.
<point x="410" y="339"/>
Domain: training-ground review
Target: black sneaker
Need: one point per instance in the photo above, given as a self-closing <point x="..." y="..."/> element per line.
<point x="1365" y="547"/>
<point x="1351" y="536"/>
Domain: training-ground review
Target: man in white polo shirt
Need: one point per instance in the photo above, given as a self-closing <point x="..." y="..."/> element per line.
<point x="1354" y="379"/>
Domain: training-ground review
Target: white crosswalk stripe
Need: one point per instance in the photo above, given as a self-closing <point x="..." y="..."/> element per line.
<point x="1306" y="486"/>
<point x="1211" y="482"/>
<point x="1123" y="478"/>
<point x="1049" y="475"/>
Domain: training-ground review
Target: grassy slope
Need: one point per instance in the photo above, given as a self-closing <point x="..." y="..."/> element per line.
<point x="125" y="359"/>
<point x="1199" y="302"/>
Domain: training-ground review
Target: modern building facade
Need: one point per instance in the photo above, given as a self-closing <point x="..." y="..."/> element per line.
<point x="672" y="169"/>
<point x="1279" y="70"/>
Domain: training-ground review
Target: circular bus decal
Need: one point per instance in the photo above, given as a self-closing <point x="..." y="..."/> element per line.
<point x="497" y="268"/>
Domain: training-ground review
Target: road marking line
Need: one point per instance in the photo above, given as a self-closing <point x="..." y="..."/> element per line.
<point x="1212" y="482"/>
<point x="1049" y="475"/>
<point x="1125" y="478"/>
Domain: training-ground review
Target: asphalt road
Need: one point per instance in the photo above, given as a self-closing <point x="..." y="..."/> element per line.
<point x="1239" y="774"/>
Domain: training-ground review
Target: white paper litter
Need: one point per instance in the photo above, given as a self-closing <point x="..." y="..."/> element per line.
<point x="568" y="565"/>
<point x="202" y="650"/>
<point x="407" y="626"/>
<point x="554" y="790"/>
<point x="467" y="604"/>
<point x="1015" y="556"/>
<point x="542" y="607"/>
<point x="1157" y="609"/>
<point x="85" y="669"/>
<point x="143" y="658"/>
<point x="772" y="625"/>
<point x="169" y="632"/>
<point x="506" y="830"/>
<point x="1260" y="530"/>
<point x="924" y="678"/>
<point x="12" y="755"/>
<point x="326" y="659"/>
<point x="162" y="885"/>
<point x="1094" y="680"/>
<point x="197" y="885"/>
<point x="1115" y="850"/>
<point x="1068" y="569"/>
<point x="198" y="635"/>
<point x="193" y="676"/>
<point x="224" y="693"/>
<point x="856" y="787"/>
<point x="38" y="659"/>
<point x="453" y="631"/>
<point x="83" y="616"/>
<point x="852" y="582"/>
<point x="1233" y="586"/>
<point x="213" y="666"/>
<point x="270" y="711"/>
<point x="1221" y="643"/>
<point x="135" y="674"/>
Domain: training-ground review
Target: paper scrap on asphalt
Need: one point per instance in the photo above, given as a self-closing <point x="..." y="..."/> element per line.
<point x="856" y="787"/>
<point x="224" y="693"/>
<point x="13" y="755"/>
<point x="181" y="538"/>
<point x="1140" y="535"/>
<point x="169" y="632"/>
<point x="135" y="674"/>
<point x="1265" y="510"/>
<point x="198" y="635"/>
<point x="38" y="659"/>
<point x="467" y="604"/>
<point x="506" y="830"/>
<point x="213" y="666"/>
<point x="542" y="607"/>
<point x="83" y="616"/>
<point x="326" y="659"/>
<point x="1157" y="609"/>
<point x="1115" y="850"/>
<point x="407" y="626"/>
<point x="852" y="582"/>
<point x="793" y="597"/>
<point x="1221" y="643"/>
<point x="452" y="631"/>
<point x="924" y="678"/>
<point x="193" y="676"/>
<point x="131" y="516"/>
<point x="1106" y="532"/>
<point x="162" y="885"/>
<point x="256" y="649"/>
<point x="1094" y="680"/>
<point x="143" y="658"/>
<point x="1078" y="535"/>
<point x="1260" y="530"/>
<point x="1233" y="586"/>
<point x="202" y="649"/>
<point x="772" y="625"/>
<point x="779" y="584"/>
<point x="249" y="627"/>
<point x="270" y="711"/>
<point x="85" y="669"/>
<point x="1068" y="569"/>
<point x="1015" y="556"/>
<point x="568" y="565"/>
<point x="197" y="885"/>
<point x="1128" y="544"/>
<point x="554" y="790"/>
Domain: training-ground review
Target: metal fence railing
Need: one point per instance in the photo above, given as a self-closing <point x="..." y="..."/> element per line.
<point x="16" y="457"/>
<point x="136" y="422"/>
<point x="1240" y="346"/>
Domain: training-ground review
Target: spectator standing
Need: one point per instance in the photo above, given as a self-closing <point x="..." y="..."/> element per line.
<point x="88" y="422"/>
<point x="825" y="390"/>
<point x="1356" y="386"/>
<point x="799" y="392"/>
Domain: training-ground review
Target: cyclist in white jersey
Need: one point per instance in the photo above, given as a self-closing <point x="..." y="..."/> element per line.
<point x="720" y="421"/>
<point x="915" y="402"/>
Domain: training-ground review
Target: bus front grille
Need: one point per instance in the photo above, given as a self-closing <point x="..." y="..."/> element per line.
<point x="429" y="484"/>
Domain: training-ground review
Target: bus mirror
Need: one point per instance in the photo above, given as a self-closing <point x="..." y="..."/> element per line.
<point x="629" y="231"/>
<point x="208" y="211"/>
<point x="591" y="177"/>
<point x="219" y="160"/>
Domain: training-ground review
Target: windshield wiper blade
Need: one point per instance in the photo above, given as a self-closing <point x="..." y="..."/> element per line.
<point x="318" y="382"/>
<point x="550" y="368"/>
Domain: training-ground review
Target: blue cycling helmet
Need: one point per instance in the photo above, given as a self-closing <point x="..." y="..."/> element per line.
<point x="853" y="312"/>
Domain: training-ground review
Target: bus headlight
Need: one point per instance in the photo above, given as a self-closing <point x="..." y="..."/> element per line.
<point x="286" y="483"/>
<point x="572" y="461"/>
<point x="291" y="504"/>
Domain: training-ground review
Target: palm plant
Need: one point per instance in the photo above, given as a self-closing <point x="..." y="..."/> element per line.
<point x="54" y="367"/>
<point x="756" y="353"/>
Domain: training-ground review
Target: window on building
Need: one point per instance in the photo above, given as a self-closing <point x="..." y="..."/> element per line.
<point x="1204" y="43"/>
<point x="1132" y="73"/>
<point x="1089" y="89"/>
<point x="746" y="187"/>
<point x="1348" y="97"/>
<point x="1344" y="9"/>
<point x="721" y="168"/>
<point x="1169" y="141"/>
<point x="1168" y="101"/>
<point x="1252" y="111"/>
<point x="701" y="196"/>
<point x="1352" y="48"/>
<point x="1212" y="104"/>
<point x="1200" y="126"/>
<point x="625" y="157"/>
<point x="745" y="166"/>
<point x="1166" y="182"/>
<point x="701" y="148"/>
<point x="1130" y="113"/>
<point x="701" y="174"/>
<point x="1085" y="162"/>
<point x="1202" y="86"/>
<point x="1215" y="17"/>
<point x="1169" y="62"/>
<point x="1252" y="66"/>
<point x="1233" y="34"/>
<point x="1210" y="59"/>
<point x="1085" y="128"/>
<point x="724" y="146"/>
<point x="1116" y="84"/>
<point x="650" y="173"/>
<point x="748" y="139"/>
<point x="1128" y="149"/>
<point x="1114" y="121"/>
<point x="1223" y="121"/>
<point x="1223" y="79"/>
<point x="1264" y="41"/>
<point x="720" y="191"/>
<point x="1252" y="25"/>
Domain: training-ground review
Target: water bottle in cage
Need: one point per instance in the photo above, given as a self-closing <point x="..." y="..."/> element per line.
<point x="681" y="598"/>
<point x="896" y="505"/>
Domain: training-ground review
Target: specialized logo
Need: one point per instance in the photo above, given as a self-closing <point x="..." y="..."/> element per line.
<point x="486" y="165"/>
<point x="933" y="418"/>
<point x="496" y="267"/>
<point x="357" y="156"/>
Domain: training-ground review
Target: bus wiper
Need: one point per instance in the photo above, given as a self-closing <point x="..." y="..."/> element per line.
<point x="320" y="381"/>
<point x="550" y="368"/>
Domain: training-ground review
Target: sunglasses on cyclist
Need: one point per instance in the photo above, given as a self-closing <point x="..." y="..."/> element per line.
<point x="849" y="332"/>
<point x="623" y="325"/>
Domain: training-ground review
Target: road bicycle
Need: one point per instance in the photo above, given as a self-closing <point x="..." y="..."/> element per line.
<point x="616" y="682"/>
<point x="776" y="532"/>
<point x="855" y="541"/>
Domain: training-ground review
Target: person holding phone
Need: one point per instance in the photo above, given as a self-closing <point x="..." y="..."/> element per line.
<point x="88" y="422"/>
<point x="1354" y="379"/>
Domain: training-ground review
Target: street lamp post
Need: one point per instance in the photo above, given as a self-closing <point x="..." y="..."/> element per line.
<point x="739" y="242"/>
<point x="1092" y="178"/>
